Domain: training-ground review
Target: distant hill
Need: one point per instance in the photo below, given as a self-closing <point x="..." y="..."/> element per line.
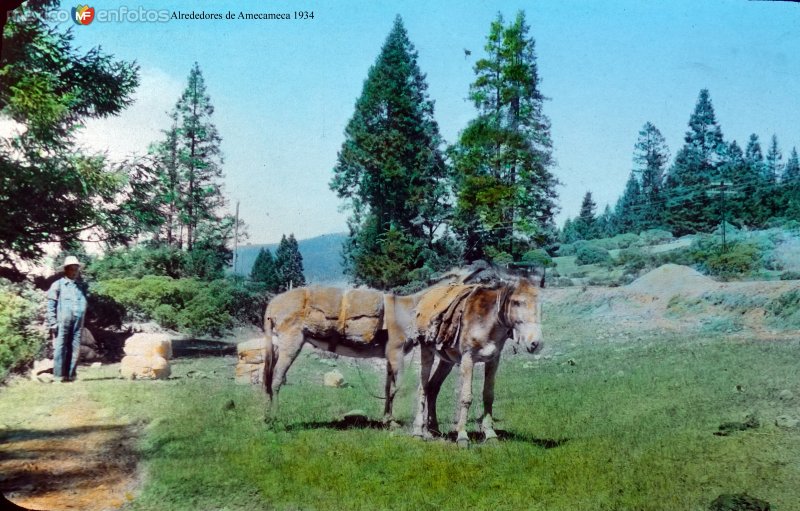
<point x="322" y="258"/>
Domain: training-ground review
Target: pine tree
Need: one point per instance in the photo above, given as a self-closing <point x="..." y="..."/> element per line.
<point x="628" y="211"/>
<point x="791" y="186"/>
<point x="689" y="207"/>
<point x="650" y="158"/>
<point x="569" y="233"/>
<point x="390" y="168"/>
<point x="289" y="264"/>
<point x="585" y="223"/>
<point x="773" y="167"/>
<point x="505" y="190"/>
<point x="757" y="186"/>
<point x="791" y="172"/>
<point x="265" y="270"/>
<point x="200" y="158"/>
<point x="50" y="88"/>
<point x="605" y="223"/>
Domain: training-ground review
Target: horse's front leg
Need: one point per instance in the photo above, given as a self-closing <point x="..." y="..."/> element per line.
<point x="464" y="398"/>
<point x="288" y="348"/>
<point x="420" y="427"/>
<point x="487" y="424"/>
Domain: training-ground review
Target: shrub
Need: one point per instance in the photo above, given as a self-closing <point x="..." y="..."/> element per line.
<point x="633" y="259"/>
<point x="20" y="311"/>
<point x="591" y="254"/>
<point x="538" y="258"/>
<point x="655" y="237"/>
<point x="139" y="262"/>
<point x="740" y="259"/>
<point x="626" y="240"/>
<point x="188" y="305"/>
<point x="790" y="275"/>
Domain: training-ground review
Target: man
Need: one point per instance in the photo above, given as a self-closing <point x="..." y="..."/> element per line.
<point x="66" y="309"/>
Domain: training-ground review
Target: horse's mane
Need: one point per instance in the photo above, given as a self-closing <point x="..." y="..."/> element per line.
<point x="480" y="272"/>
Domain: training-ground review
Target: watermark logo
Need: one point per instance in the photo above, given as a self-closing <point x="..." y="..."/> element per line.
<point x="82" y="14"/>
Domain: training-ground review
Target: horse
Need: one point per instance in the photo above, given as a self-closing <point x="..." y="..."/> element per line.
<point x="360" y="323"/>
<point x="473" y="329"/>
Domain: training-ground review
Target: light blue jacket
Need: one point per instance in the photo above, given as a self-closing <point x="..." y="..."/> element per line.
<point x="66" y="302"/>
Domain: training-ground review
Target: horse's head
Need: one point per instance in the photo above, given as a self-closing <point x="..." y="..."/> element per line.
<point x="523" y="315"/>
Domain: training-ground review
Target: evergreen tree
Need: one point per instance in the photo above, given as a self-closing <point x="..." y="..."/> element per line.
<point x="505" y="190"/>
<point x="265" y="271"/>
<point x="199" y="157"/>
<point x="627" y="213"/>
<point x="773" y="167"/>
<point x="605" y="223"/>
<point x="734" y="173"/>
<point x="757" y="186"/>
<point x="689" y="206"/>
<point x="569" y="233"/>
<point x="585" y="223"/>
<point x="391" y="169"/>
<point x="50" y="88"/>
<point x="791" y="187"/>
<point x="289" y="264"/>
<point x="791" y="172"/>
<point x="650" y="158"/>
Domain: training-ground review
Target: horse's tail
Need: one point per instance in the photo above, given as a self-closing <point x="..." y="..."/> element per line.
<point x="269" y="356"/>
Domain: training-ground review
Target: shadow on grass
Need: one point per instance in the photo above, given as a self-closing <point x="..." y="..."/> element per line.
<point x="509" y="436"/>
<point x="360" y="422"/>
<point x="194" y="348"/>
<point x="356" y="422"/>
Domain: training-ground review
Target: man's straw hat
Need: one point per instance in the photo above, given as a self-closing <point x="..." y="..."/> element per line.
<point x="71" y="260"/>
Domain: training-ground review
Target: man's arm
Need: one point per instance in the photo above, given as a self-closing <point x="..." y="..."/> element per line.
<point x="52" y="305"/>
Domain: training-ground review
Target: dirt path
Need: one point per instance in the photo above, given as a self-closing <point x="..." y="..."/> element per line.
<point x="72" y="455"/>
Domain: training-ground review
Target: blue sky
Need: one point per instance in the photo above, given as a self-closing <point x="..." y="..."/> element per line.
<point x="284" y="90"/>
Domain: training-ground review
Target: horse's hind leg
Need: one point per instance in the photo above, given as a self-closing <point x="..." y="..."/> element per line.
<point x="394" y="364"/>
<point x="443" y="369"/>
<point x="487" y="424"/>
<point x="289" y="346"/>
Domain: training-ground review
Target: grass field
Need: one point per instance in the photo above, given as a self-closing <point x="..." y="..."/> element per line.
<point x="603" y="425"/>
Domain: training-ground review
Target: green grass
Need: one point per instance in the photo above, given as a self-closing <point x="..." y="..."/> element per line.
<point x="629" y="426"/>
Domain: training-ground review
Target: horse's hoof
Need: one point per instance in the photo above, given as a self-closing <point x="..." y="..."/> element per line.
<point x="492" y="440"/>
<point x="392" y="425"/>
<point x="463" y="442"/>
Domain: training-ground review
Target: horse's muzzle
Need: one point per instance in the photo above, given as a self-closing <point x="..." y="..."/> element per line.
<point x="534" y="346"/>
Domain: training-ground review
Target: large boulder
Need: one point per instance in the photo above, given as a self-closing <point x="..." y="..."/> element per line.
<point x="147" y="345"/>
<point x="252" y="351"/>
<point x="144" y="367"/>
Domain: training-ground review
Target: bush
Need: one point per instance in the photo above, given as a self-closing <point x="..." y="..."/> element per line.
<point x="21" y="309"/>
<point x="627" y="240"/>
<point x="655" y="237"/>
<point x="591" y="254"/>
<point x="160" y="261"/>
<point x="739" y="260"/>
<point x="634" y="259"/>
<point x="538" y="258"/>
<point x="790" y="275"/>
<point x="188" y="305"/>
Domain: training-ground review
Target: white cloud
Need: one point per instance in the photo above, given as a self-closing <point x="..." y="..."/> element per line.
<point x="141" y="123"/>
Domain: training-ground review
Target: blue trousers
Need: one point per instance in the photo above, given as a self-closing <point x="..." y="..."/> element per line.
<point x="67" y="349"/>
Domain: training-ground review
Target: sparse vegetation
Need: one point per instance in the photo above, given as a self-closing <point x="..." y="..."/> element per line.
<point x="20" y="342"/>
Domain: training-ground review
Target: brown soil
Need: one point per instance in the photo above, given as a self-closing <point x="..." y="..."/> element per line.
<point x="77" y="456"/>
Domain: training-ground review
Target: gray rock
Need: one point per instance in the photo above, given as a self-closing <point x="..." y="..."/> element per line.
<point x="333" y="379"/>
<point x="785" y="395"/>
<point x="786" y="422"/>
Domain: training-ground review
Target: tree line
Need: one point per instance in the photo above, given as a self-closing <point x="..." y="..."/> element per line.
<point x="710" y="181"/>
<point x="418" y="205"/>
<point x="170" y="200"/>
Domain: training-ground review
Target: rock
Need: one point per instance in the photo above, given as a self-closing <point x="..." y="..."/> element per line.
<point x="146" y="328"/>
<point x="249" y="374"/>
<point x="45" y="378"/>
<point x="252" y="351"/>
<point x="738" y="502"/>
<point x="785" y="395"/>
<point x="88" y="354"/>
<point x="97" y="365"/>
<point x="147" y="345"/>
<point x="333" y="379"/>
<point x="528" y="365"/>
<point x="41" y="367"/>
<point x="138" y="367"/>
<point x="786" y="422"/>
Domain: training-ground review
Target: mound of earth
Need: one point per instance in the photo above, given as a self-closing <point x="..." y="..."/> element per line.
<point x="672" y="279"/>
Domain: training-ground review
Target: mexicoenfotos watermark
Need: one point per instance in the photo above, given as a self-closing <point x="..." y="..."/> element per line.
<point x="86" y="15"/>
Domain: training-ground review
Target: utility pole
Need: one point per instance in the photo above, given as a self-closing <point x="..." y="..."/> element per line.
<point x="236" y="239"/>
<point x="720" y="187"/>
